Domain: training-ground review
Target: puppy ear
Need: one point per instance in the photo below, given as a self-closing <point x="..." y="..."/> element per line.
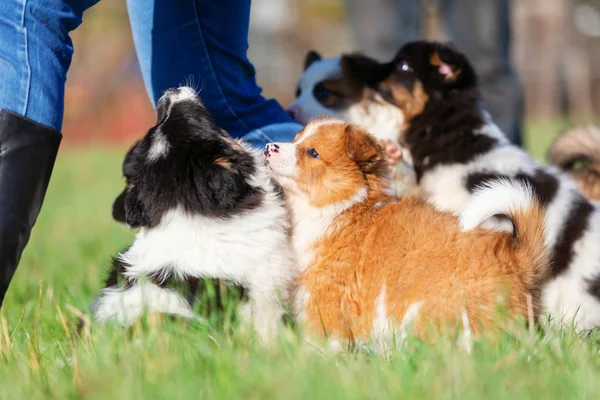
<point x="118" y="208"/>
<point x="449" y="72"/>
<point x="362" y="148"/>
<point x="453" y="68"/>
<point x="311" y="57"/>
<point x="365" y="69"/>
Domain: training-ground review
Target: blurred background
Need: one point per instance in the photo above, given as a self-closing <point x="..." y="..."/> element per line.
<point x="556" y="50"/>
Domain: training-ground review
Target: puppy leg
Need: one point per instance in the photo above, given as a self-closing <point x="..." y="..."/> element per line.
<point x="269" y="291"/>
<point x="265" y="313"/>
<point x="126" y="305"/>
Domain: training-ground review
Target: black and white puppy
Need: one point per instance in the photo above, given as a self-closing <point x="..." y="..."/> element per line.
<point x="206" y="208"/>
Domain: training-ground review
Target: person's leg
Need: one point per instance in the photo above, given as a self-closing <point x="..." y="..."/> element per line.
<point x="481" y="29"/>
<point x="203" y="43"/>
<point x="380" y="27"/>
<point x="35" y="53"/>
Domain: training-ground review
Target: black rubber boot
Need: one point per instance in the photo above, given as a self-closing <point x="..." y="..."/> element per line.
<point x="27" y="154"/>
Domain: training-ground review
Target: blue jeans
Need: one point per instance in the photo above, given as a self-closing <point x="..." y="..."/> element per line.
<point x="203" y="42"/>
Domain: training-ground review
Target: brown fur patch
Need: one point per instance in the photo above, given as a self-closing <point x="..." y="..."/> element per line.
<point x="223" y="162"/>
<point x="345" y="92"/>
<point x="406" y="248"/>
<point x="411" y="102"/>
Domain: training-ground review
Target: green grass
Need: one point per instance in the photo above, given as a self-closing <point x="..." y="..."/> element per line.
<point x="43" y="356"/>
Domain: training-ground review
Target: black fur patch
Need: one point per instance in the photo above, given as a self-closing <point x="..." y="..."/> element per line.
<point x="445" y="132"/>
<point x="594" y="287"/>
<point x="545" y="186"/>
<point x="118" y="208"/>
<point x="573" y="230"/>
<point x="363" y="70"/>
<point x="184" y="175"/>
<point x="162" y="277"/>
<point x="115" y="273"/>
<point x="311" y="57"/>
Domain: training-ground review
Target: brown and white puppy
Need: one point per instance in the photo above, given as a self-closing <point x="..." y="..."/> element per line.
<point x="372" y="264"/>
<point x="577" y="152"/>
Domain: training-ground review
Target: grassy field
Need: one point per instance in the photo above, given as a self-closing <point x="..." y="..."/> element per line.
<point x="43" y="356"/>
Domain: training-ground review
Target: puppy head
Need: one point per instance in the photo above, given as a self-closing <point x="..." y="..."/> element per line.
<point x="329" y="162"/>
<point x="438" y="67"/>
<point x="316" y="94"/>
<point x="346" y="87"/>
<point x="382" y="97"/>
<point x="186" y="162"/>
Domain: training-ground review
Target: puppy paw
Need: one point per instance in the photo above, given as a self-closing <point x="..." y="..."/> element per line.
<point x="393" y="153"/>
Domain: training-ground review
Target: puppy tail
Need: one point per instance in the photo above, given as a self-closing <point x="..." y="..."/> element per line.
<point x="577" y="151"/>
<point x="516" y="202"/>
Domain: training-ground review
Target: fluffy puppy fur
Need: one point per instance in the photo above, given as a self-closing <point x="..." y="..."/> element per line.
<point x="370" y="264"/>
<point x="455" y="148"/>
<point x="345" y="87"/>
<point x="206" y="208"/>
<point x="577" y="152"/>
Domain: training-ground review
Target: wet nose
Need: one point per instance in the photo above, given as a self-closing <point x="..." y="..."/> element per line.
<point x="294" y="111"/>
<point x="271" y="148"/>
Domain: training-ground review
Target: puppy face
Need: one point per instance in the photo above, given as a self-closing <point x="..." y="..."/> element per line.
<point x="329" y="162"/>
<point x="331" y="87"/>
<point x="185" y="161"/>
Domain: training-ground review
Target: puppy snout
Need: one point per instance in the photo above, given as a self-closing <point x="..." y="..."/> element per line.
<point x="294" y="111"/>
<point x="271" y="149"/>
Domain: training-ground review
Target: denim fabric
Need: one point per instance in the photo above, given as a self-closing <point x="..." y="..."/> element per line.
<point x="204" y="43"/>
<point x="281" y="132"/>
<point x="198" y="42"/>
<point x="35" y="54"/>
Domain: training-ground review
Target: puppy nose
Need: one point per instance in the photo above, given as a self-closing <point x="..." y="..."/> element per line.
<point x="271" y="148"/>
<point x="293" y="110"/>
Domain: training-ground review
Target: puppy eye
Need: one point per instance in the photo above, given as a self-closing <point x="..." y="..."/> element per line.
<point x="298" y="92"/>
<point x="322" y="93"/>
<point x="312" y="153"/>
<point x="404" y="66"/>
